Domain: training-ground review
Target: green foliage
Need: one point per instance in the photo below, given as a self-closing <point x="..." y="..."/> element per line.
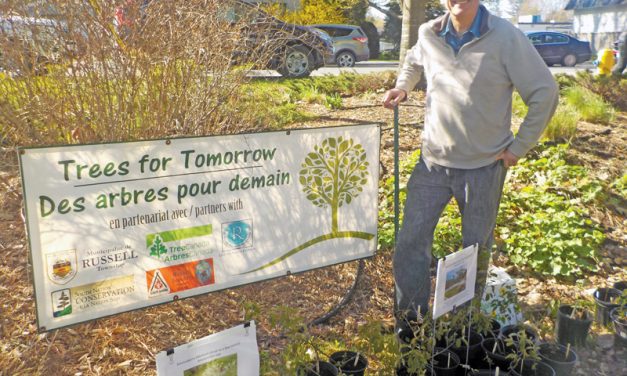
<point x="333" y="101"/>
<point x="519" y="108"/>
<point x="563" y="124"/>
<point x="544" y="221"/>
<point x="386" y="204"/>
<point x="591" y="106"/>
<point x="315" y="12"/>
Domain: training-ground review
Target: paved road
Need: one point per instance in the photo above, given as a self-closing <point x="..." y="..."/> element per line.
<point x="382" y="66"/>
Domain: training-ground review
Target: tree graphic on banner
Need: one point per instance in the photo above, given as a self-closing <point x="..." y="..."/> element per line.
<point x="331" y="176"/>
<point x="334" y="174"/>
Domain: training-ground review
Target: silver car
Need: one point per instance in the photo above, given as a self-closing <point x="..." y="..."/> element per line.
<point x="350" y="44"/>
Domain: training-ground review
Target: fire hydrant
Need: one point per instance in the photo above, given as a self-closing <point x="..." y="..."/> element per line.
<point x="605" y="62"/>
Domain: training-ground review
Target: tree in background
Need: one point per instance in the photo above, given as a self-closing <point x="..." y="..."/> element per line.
<point x="317" y="12"/>
<point x="393" y="20"/>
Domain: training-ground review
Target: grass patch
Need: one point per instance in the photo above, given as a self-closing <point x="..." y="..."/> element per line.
<point x="563" y="125"/>
<point x="591" y="106"/>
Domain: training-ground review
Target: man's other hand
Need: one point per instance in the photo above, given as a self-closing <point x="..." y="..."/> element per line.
<point x="509" y="159"/>
<point x="393" y="97"/>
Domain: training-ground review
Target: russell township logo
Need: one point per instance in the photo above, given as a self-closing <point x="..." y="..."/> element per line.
<point x="61" y="266"/>
<point x="237" y="234"/>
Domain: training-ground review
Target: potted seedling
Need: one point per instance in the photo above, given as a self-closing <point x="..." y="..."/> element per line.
<point x="561" y="358"/>
<point x="349" y="362"/>
<point x="444" y="362"/>
<point x="605" y="299"/>
<point x="573" y="324"/>
<point x="526" y="362"/>
<point x="618" y="315"/>
<point x="302" y="354"/>
<point x="515" y="330"/>
<point x="498" y="353"/>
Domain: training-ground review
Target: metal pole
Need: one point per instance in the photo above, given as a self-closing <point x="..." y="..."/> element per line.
<point x="396" y="175"/>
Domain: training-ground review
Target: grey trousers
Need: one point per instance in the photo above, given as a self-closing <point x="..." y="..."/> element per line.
<point x="430" y="188"/>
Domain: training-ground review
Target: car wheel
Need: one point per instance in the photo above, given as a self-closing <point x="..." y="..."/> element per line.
<point x="298" y="62"/>
<point x="345" y="59"/>
<point x="569" y="60"/>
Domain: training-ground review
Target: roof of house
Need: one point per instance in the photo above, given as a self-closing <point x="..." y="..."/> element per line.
<point x="583" y="4"/>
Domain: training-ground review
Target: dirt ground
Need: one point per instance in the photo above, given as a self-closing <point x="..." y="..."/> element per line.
<point x="126" y="344"/>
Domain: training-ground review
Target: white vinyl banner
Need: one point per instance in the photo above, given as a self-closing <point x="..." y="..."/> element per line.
<point x="232" y="352"/>
<point x="117" y="227"/>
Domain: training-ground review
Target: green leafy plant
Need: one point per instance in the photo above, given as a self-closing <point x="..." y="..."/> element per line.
<point x="527" y="349"/>
<point x="333" y="101"/>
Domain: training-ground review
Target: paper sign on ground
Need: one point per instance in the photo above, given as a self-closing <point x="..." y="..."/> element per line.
<point x="455" y="280"/>
<point x="118" y="227"/>
<point x="232" y="352"/>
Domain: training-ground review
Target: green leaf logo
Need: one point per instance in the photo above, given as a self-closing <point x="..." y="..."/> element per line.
<point x="157" y="249"/>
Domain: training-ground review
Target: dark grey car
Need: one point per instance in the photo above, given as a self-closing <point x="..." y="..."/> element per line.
<point x="559" y="48"/>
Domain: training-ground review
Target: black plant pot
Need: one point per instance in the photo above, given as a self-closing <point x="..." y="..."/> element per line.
<point x="473" y="349"/>
<point x="497" y="358"/>
<point x="531" y="333"/>
<point x="349" y="362"/>
<point x="554" y="355"/>
<point x="488" y="372"/>
<point x="572" y="330"/>
<point x="402" y="371"/>
<point x="604" y="298"/>
<point x="318" y="368"/>
<point x="620" y="324"/>
<point x="620" y="285"/>
<point x="445" y="362"/>
<point x="531" y="368"/>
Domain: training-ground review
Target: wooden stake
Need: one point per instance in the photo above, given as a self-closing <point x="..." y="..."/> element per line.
<point x="356" y="360"/>
<point x="448" y="363"/>
<point x="567" y="351"/>
<point x="572" y="314"/>
<point x="496" y="343"/>
<point x="498" y="370"/>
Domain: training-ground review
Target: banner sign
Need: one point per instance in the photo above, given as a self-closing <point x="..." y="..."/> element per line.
<point x="117" y="227"/>
<point x="232" y="352"/>
<point x="455" y="280"/>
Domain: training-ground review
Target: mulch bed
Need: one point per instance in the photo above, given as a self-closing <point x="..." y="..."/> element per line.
<point x="126" y="344"/>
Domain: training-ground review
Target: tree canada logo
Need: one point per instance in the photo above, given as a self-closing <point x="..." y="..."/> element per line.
<point x="158" y="248"/>
<point x="61" y="266"/>
<point x="61" y="303"/>
<point x="237" y="234"/>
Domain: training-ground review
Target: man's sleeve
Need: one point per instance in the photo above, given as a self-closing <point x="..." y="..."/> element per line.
<point x="411" y="71"/>
<point x="537" y="87"/>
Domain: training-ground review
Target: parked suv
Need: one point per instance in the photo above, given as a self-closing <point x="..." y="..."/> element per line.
<point x="350" y="43"/>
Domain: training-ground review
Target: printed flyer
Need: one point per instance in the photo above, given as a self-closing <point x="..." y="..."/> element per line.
<point x="455" y="280"/>
<point x="232" y="352"/>
<point x="122" y="226"/>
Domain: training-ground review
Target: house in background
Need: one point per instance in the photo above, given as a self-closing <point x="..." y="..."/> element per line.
<point x="535" y="23"/>
<point x="599" y="21"/>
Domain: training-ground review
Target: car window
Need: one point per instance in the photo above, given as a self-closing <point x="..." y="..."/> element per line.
<point x="536" y="39"/>
<point x="335" y="31"/>
<point x="555" y="38"/>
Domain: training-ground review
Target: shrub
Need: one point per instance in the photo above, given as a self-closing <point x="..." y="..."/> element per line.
<point x="519" y="108"/>
<point x="611" y="88"/>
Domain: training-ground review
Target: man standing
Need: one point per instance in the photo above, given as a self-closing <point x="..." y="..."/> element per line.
<point x="472" y="61"/>
<point x="621" y="62"/>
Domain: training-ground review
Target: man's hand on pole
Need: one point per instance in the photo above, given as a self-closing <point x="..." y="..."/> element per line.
<point x="393" y="97"/>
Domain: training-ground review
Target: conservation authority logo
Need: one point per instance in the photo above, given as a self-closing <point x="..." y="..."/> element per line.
<point x="237" y="234"/>
<point x="61" y="266"/>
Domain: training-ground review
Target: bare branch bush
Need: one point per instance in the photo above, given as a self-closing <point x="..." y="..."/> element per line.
<point x="71" y="74"/>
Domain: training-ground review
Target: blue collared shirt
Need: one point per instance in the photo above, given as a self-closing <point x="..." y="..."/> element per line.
<point x="450" y="35"/>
